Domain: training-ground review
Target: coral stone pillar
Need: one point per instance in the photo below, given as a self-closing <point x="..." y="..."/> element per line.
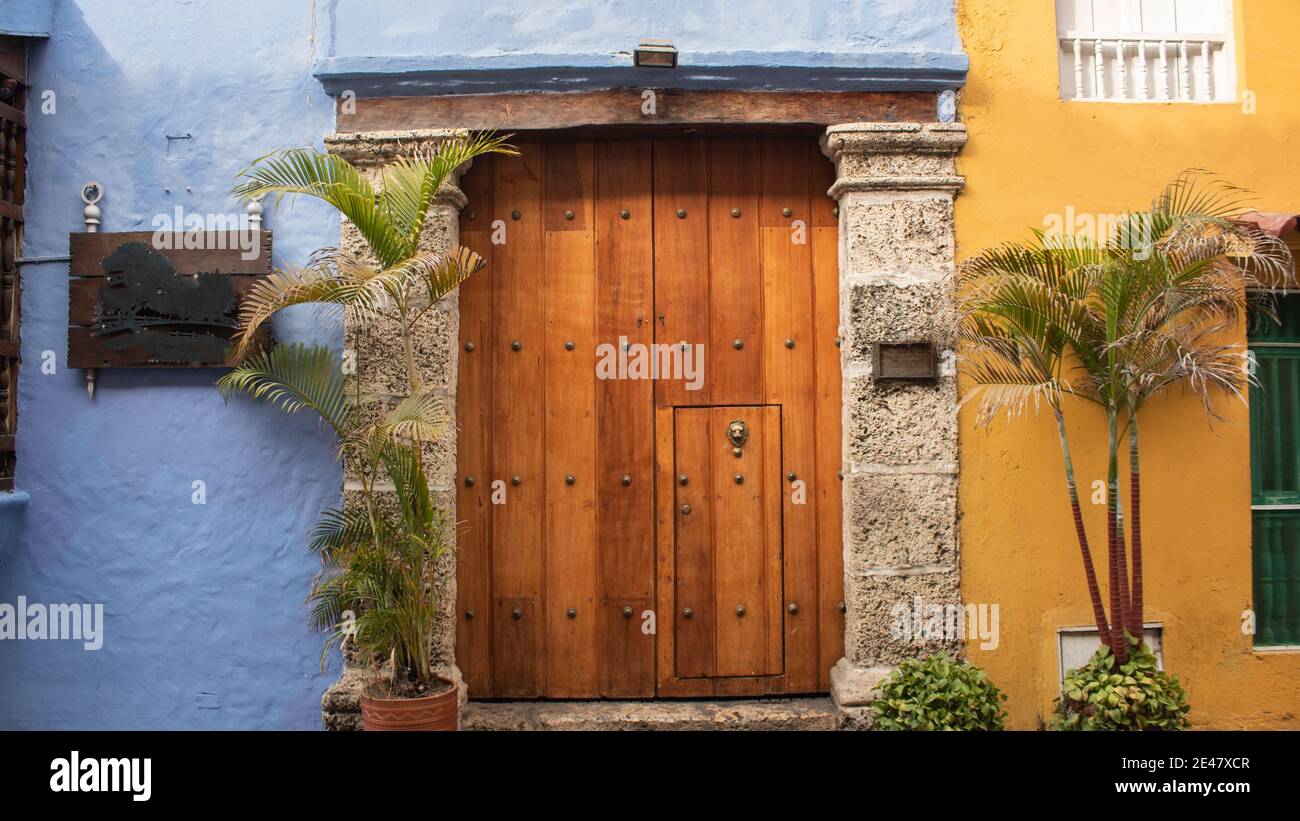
<point x="383" y="382"/>
<point x="895" y="184"/>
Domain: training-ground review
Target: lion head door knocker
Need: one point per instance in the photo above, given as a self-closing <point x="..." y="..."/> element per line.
<point x="738" y="435"/>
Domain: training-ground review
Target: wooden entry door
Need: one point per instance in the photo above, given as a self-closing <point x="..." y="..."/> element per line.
<point x="599" y="255"/>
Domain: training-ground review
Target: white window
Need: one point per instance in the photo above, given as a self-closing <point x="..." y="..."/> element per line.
<point x="1076" y="645"/>
<point x="1146" y="50"/>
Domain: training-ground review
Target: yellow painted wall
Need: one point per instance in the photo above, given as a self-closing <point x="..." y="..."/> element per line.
<point x="1031" y="154"/>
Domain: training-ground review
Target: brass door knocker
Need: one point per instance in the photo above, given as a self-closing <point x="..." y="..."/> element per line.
<point x="738" y="432"/>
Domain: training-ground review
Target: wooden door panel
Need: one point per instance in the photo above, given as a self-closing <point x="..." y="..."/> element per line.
<point x="826" y="368"/>
<point x="735" y="278"/>
<point x="517" y="424"/>
<point x="681" y="245"/>
<point x="695" y="638"/>
<point x="572" y="619"/>
<point x="473" y="451"/>
<point x="624" y="408"/>
<point x="788" y="365"/>
<point x="745" y="617"/>
<point x="728" y="543"/>
<point x="516" y="639"/>
<point x="633" y="242"/>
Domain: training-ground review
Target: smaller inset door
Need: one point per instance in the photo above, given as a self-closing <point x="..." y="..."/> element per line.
<point x="728" y="619"/>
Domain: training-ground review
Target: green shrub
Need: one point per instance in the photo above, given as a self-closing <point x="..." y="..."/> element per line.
<point x="939" y="693"/>
<point x="1136" y="696"/>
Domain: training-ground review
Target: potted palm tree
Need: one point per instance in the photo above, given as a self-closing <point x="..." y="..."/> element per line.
<point x="379" y="584"/>
<point x="1115" y="322"/>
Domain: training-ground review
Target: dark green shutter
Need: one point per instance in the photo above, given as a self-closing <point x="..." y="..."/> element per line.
<point x="1275" y="475"/>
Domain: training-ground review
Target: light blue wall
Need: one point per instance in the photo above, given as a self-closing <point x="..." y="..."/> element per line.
<point x="378" y="47"/>
<point x="205" y="624"/>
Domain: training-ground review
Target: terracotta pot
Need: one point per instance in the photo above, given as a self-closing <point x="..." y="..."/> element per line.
<point x="440" y="711"/>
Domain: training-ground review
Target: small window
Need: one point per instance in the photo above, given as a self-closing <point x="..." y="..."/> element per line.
<point x="1076" y="645"/>
<point x="1146" y="50"/>
<point x="1275" y="474"/>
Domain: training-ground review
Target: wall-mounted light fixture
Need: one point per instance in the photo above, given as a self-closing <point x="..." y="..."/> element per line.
<point x="655" y="54"/>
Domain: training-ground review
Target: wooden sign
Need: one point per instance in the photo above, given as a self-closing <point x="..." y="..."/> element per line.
<point x="144" y="299"/>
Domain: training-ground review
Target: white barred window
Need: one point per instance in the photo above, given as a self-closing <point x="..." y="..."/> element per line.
<point x="1146" y="50"/>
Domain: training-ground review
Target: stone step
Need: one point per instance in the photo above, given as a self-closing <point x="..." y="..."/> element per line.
<point x="759" y="714"/>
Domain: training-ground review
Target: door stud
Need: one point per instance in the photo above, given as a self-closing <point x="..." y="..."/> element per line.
<point x="627" y="612"/>
<point x="687" y="612"/>
<point x="740" y="610"/>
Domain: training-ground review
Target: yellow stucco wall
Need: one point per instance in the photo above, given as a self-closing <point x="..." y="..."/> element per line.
<point x="1030" y="155"/>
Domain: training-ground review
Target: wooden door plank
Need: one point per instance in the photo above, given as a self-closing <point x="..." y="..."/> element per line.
<point x="516" y="635"/>
<point x="772" y="539"/>
<point x="625" y="517"/>
<point x="826" y="356"/>
<point x="473" y="447"/>
<point x="735" y="276"/>
<point x="665" y="550"/>
<point x="696" y="643"/>
<point x="790" y="383"/>
<point x="681" y="245"/>
<point x="569" y="292"/>
<point x="738" y="544"/>
<point x="517" y="425"/>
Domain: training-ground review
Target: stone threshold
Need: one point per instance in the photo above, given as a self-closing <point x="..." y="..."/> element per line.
<point x="808" y="713"/>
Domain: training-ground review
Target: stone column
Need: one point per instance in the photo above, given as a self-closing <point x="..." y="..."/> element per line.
<point x="895" y="184"/>
<point x="383" y="382"/>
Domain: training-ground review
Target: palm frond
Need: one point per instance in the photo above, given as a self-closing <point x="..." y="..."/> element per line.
<point x="294" y="378"/>
<point x="295" y="172"/>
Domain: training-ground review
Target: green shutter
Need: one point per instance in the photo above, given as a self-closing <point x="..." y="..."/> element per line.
<point x="1275" y="475"/>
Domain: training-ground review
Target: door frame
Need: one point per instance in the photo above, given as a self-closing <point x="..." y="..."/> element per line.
<point x="895" y="166"/>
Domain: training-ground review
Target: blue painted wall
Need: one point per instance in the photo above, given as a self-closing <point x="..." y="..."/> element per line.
<point x="205" y="626"/>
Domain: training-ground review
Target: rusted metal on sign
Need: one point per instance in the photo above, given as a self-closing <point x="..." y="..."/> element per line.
<point x="143" y="299"/>
<point x="904" y="362"/>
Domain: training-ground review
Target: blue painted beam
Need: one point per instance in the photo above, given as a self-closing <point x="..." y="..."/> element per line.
<point x="753" y="71"/>
<point x="27" y="18"/>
